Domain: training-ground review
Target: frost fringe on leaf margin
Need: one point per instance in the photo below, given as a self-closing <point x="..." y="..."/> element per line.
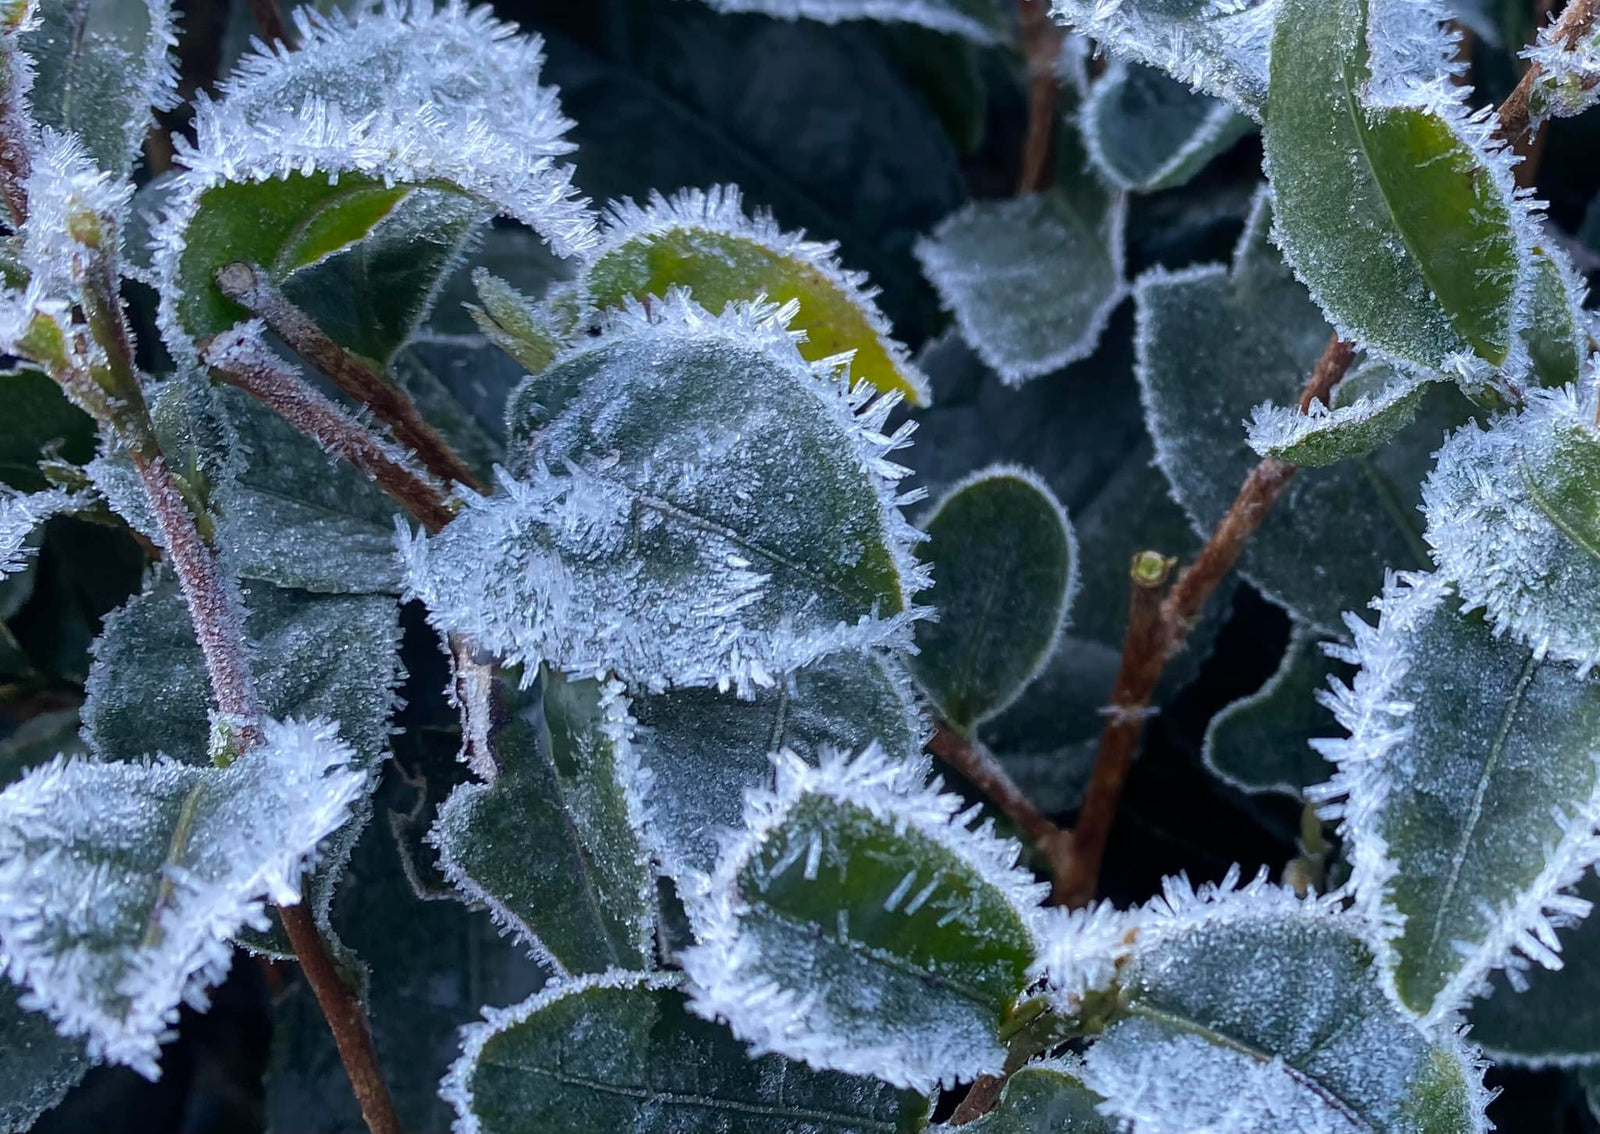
<point x="1277" y="431"/>
<point x="772" y="1018"/>
<point x="928" y="13"/>
<point x="20" y="513"/>
<point x="1378" y="721"/>
<point x="1217" y="125"/>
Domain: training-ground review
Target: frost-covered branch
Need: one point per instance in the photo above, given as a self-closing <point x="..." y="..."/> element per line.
<point x="1517" y="113"/>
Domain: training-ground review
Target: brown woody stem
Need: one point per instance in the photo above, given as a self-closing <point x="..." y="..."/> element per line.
<point x="249" y="287"/>
<point x="16" y="161"/>
<point x="1577" y="19"/>
<point x="1040" y="41"/>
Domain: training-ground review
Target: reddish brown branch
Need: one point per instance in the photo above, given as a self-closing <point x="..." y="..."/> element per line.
<point x="249" y="287"/>
<point x="1516" y="112"/>
<point x="1040" y="41"/>
<point x="271" y="25"/>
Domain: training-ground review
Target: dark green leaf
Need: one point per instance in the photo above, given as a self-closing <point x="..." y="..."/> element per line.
<point x="1145" y="132"/>
<point x="1043" y="1098"/>
<point x="39" y="419"/>
<point x="37" y="1066"/>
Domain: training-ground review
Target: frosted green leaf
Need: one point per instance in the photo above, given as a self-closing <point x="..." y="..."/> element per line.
<point x="1548" y="1017"/>
<point x="1042" y="1098"/>
<point x="1558" y="338"/>
<point x="20" y="514"/>
<point x="551" y="844"/>
<point x="705" y="749"/>
<point x="529" y="333"/>
<point x="859" y="925"/>
<point x="1218" y="47"/>
<point x="100" y="68"/>
<point x="1004" y="563"/>
<point x="1032" y="281"/>
<point x="982" y="21"/>
<point x="1369" y="407"/>
<point x="618" y="1054"/>
<point x="703" y="242"/>
<point x="1467" y="790"/>
<point x="1400" y="179"/>
<point x="1512" y="514"/>
<point x="1251" y="1010"/>
<point x="1145" y="131"/>
<point x="1212" y="343"/>
<point x="1263" y="742"/>
<point x="742" y="492"/>
<point x="37" y="1066"/>
<point x="121" y="882"/>
<point x="38" y="739"/>
<point x="40" y="419"/>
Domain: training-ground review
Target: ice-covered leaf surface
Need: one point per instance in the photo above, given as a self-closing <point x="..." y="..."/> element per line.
<point x="1392" y="202"/>
<point x="100" y="68"/>
<point x="1514" y="516"/>
<point x="1004" y="563"/>
<point x="1145" y="131"/>
<point x="1558" y="337"/>
<point x="983" y="21"/>
<point x="703" y="242"/>
<point x="552" y="844"/>
<point x="705" y="749"/>
<point x="511" y="321"/>
<point x="1251" y="1010"/>
<point x="37" y="1066"/>
<point x="120" y="882"/>
<point x="1043" y="1098"/>
<point x="42" y="417"/>
<point x="860" y="925"/>
<point x="1217" y="46"/>
<point x="1369" y="407"/>
<point x="20" y="514"/>
<point x="1211" y="345"/>
<point x="1263" y="742"/>
<point x="1468" y="790"/>
<point x="1032" y="281"/>
<point x="743" y="494"/>
<point x="619" y="1053"/>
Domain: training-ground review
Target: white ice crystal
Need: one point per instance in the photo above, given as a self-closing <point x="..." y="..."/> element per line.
<point x="68" y="198"/>
<point x="20" y="514"/>
<point x="120" y="883"/>
<point x="822" y="997"/>
<point x="1351" y="428"/>
<point x="1568" y="80"/>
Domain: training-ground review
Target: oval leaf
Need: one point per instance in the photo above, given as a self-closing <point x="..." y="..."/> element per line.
<point x="1043" y="1098"/>
<point x="1004" y="563"/>
<point x="1370" y="407"/>
<point x="1145" y="131"/>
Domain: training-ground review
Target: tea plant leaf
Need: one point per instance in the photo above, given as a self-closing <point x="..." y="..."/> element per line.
<point x="1211" y="344"/>
<point x="1369" y="408"/>
<point x="703" y="242"/>
<point x="982" y="21"/>
<point x="1032" y="281"/>
<point x="526" y="331"/>
<point x="1511" y="516"/>
<point x="1043" y="1098"/>
<point x="297" y="163"/>
<point x="552" y="843"/>
<point x="743" y="492"/>
<point x="1263" y="742"/>
<point x="99" y="70"/>
<point x="173" y="860"/>
<point x="1468" y="790"/>
<point x="1372" y="167"/>
<point x="41" y="419"/>
<point x="1254" y="1010"/>
<point x="1558" y="339"/>
<point x="37" y="1066"/>
<point x="860" y="926"/>
<point x="705" y="749"/>
<point x="1219" y="48"/>
<point x="618" y="1052"/>
<point x="1004" y="563"/>
<point x="1145" y="132"/>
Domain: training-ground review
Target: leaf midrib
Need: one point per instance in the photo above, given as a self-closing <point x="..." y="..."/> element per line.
<point x="1547" y="508"/>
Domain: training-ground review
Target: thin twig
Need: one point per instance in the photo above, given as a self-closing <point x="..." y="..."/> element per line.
<point x="1040" y="40"/>
<point x="1516" y="112"/>
<point x="16" y="155"/>
<point x="249" y="287"/>
<point x="270" y="23"/>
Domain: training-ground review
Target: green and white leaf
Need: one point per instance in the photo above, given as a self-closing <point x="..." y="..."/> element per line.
<point x="120" y="883"/>
<point x="1004" y="562"/>
<point x="552" y="843"/>
<point x="703" y="242"/>
<point x="1514" y="517"/>
<point x="1468" y="792"/>
<point x="705" y="749"/>
<point x="619" y="1053"/>
<point x="1252" y="1010"/>
<point x="1032" y="281"/>
<point x="1558" y="339"/>
<point x="1394" y="202"/>
<point x="743" y="493"/>
<point x="1042" y="1098"/>
<point x="982" y="21"/>
<point x="529" y="332"/>
<point x="1218" y="47"/>
<point x="1369" y="407"/>
<point x="37" y="1065"/>
<point x="21" y="513"/>
<point x="859" y="925"/>
<point x="1145" y="131"/>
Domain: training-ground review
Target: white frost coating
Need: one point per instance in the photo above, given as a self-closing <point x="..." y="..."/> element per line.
<point x="1216" y="128"/>
<point x="406" y="92"/>
<point x="20" y="513"/>
<point x="941" y="15"/>
<point x="549" y="569"/>
<point x="1219" y="47"/>
<point x="120" y="883"/>
<point x="1378" y="719"/>
<point x="1274" y="430"/>
<point x="725" y="982"/>
<point x="1081" y="950"/>
<point x="721" y="209"/>
<point x="1489" y="505"/>
<point x="1568" y="82"/>
<point x="65" y="191"/>
<point x="456" y="1086"/>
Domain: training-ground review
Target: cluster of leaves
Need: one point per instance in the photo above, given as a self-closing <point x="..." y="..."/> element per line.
<point x="697" y="645"/>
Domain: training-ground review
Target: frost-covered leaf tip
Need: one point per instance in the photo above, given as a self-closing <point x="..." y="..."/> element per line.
<point x="1370" y="406"/>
